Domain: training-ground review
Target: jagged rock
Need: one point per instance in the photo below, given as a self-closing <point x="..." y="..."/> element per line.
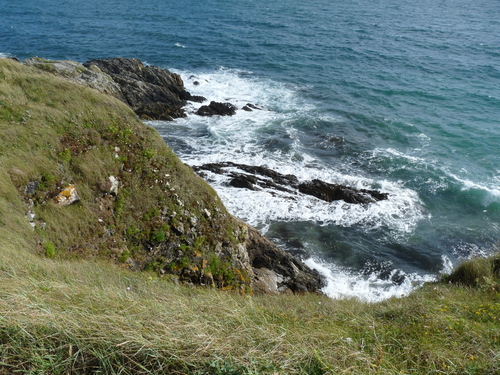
<point x="153" y="93"/>
<point x="276" y="270"/>
<point x="333" y="192"/>
<point x="256" y="177"/>
<point x="216" y="108"/>
<point x="67" y="196"/>
<point x="184" y="95"/>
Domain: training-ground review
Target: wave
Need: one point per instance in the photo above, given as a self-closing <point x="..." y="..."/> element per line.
<point x="271" y="137"/>
<point x="375" y="286"/>
<point x="275" y="137"/>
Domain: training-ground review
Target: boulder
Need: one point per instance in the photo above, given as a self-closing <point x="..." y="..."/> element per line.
<point x="216" y="108"/>
<point x="67" y="196"/>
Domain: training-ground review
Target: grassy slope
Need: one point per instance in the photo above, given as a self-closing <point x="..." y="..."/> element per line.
<point x="57" y="133"/>
<point x="74" y="316"/>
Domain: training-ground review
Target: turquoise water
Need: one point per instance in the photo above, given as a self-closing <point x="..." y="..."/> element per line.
<point x="398" y="95"/>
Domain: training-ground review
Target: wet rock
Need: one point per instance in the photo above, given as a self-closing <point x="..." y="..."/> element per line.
<point x="184" y="95"/>
<point x="258" y="177"/>
<point x="249" y="107"/>
<point x="277" y="269"/>
<point x="333" y="192"/>
<point x="216" y="108"/>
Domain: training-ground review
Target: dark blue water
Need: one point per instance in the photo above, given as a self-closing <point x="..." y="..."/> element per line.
<point x="398" y="95"/>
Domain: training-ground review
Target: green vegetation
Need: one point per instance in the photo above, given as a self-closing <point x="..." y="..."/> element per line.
<point x="55" y="133"/>
<point x="64" y="309"/>
<point x="60" y="317"/>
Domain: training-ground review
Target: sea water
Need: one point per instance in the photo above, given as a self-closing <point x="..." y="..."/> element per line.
<point x="395" y="95"/>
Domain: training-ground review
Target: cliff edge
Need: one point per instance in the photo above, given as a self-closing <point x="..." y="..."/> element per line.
<point x="83" y="177"/>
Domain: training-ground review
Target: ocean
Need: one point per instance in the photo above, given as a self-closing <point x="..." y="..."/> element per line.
<point x="396" y="95"/>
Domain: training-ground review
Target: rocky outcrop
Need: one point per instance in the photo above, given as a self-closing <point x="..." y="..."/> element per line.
<point x="153" y="93"/>
<point x="76" y="72"/>
<point x="138" y="204"/>
<point x="258" y="177"/>
<point x="276" y="271"/>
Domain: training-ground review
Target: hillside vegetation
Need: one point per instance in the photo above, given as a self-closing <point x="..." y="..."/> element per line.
<point x="66" y="309"/>
<point x="139" y="204"/>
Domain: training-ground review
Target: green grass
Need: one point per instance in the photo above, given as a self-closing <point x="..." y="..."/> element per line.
<point x="56" y="133"/>
<point x="60" y="317"/>
<point x="65" y="309"/>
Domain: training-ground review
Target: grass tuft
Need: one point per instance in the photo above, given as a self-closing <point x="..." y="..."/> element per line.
<point x="476" y="272"/>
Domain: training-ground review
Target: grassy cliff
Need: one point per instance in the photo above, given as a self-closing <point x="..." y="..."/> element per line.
<point x="65" y="309"/>
<point x="139" y="205"/>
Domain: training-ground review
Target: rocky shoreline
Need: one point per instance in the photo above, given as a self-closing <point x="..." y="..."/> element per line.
<point x="158" y="94"/>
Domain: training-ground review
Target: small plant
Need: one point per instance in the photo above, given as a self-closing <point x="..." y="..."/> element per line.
<point x="125" y="255"/>
<point x="149" y="153"/>
<point x="46" y="181"/>
<point x="65" y="155"/>
<point x="184" y="262"/>
<point x="50" y="250"/>
<point x="158" y="236"/>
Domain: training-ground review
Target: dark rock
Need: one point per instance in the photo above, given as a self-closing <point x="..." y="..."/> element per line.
<point x="333" y="192"/>
<point x="185" y="95"/>
<point x="288" y="273"/>
<point x="216" y="108"/>
<point x="250" y="107"/>
<point x="261" y="177"/>
<point x="153" y="93"/>
<point x="159" y="111"/>
<point x="31" y="188"/>
<point x="242" y="182"/>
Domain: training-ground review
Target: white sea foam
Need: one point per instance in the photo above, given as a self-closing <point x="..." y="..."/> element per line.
<point x="180" y="45"/>
<point x="4" y="55"/>
<point x="242" y="139"/>
<point x="493" y="191"/>
<point x="342" y="283"/>
<point x="247" y="138"/>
